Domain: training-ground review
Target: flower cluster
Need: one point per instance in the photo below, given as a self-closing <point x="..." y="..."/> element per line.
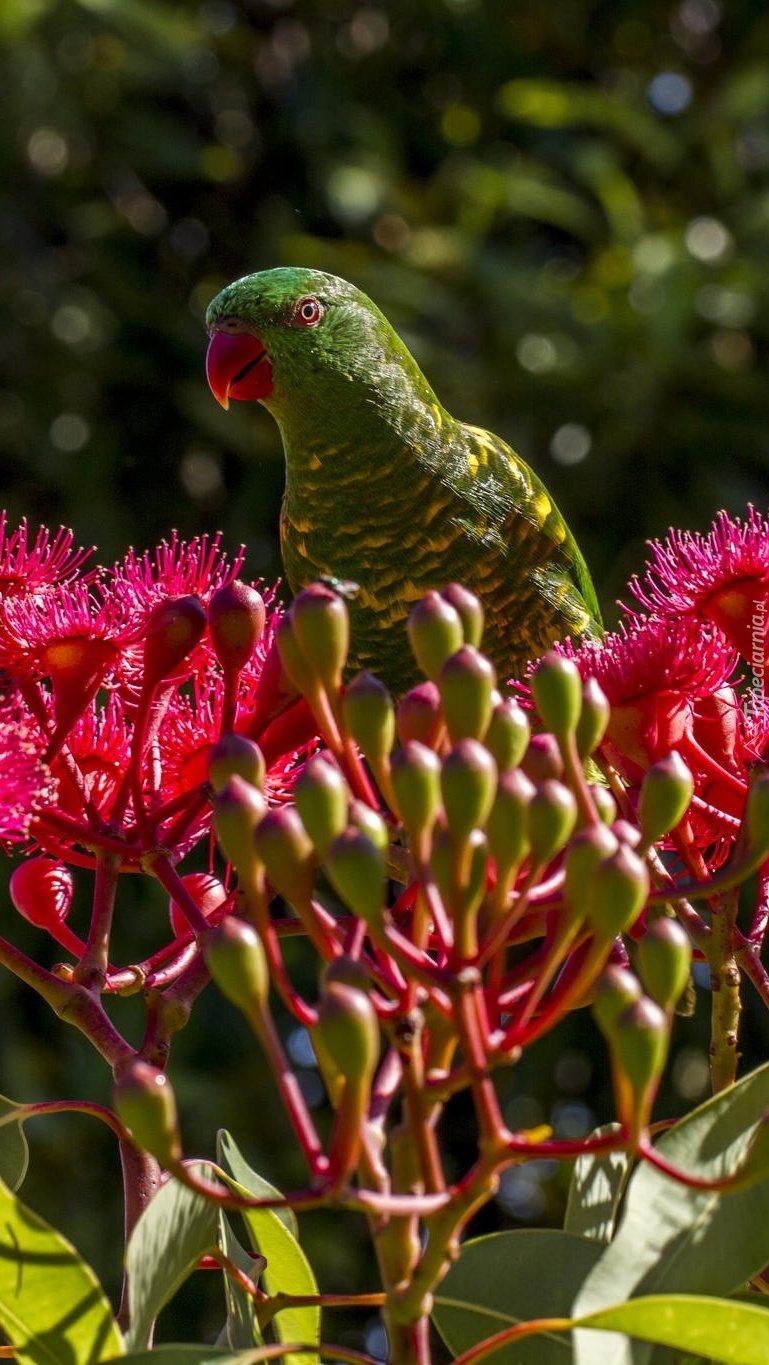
<point x="688" y="673"/>
<point x="115" y="685"/>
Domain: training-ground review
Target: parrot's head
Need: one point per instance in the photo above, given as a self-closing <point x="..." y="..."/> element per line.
<point x="288" y="337"/>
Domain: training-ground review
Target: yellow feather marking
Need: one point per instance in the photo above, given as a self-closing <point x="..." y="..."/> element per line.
<point x="473" y="465"/>
<point x="542" y="506"/>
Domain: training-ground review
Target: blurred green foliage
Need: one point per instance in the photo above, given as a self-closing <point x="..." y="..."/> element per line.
<point x="564" y="207"/>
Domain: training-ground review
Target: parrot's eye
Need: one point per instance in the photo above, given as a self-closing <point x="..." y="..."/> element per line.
<point x="307" y="312"/>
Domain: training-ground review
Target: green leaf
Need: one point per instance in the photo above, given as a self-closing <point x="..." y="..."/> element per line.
<point x="242" y="1327"/>
<point x="719" y="1330"/>
<point x="513" y="1277"/>
<point x="596" y="1188"/>
<point x="287" y="1270"/>
<point x="231" y="1159"/>
<point x="52" y="1307"/>
<point x="14" y="1152"/>
<point x="175" y="1230"/>
<point x="675" y="1239"/>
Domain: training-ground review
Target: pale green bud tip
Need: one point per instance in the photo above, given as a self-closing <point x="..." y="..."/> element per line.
<point x="468" y="785"/>
<point x="508" y="733"/>
<point x="467" y="680"/>
<point x="364" y="818"/>
<point x="415" y="773"/>
<point x="666" y="791"/>
<point x="321" y="627"/>
<point x="470" y="610"/>
<point x="368" y="714"/>
<point x="356" y="870"/>
<point x="235" y="756"/>
<point x="235" y="957"/>
<point x="174" y="628"/>
<point x="757" y="813"/>
<point x="144" y="1101"/>
<point x="594" y="717"/>
<point x="556" y="684"/>
<point x="236" y="617"/>
<point x="507" y="826"/>
<point x="322" y="798"/>
<point x="586" y="849"/>
<point x="348" y="1031"/>
<point x="639" y="1042"/>
<point x="285" y="848"/>
<point x="238" y="807"/>
<point x="295" y="666"/>
<point x="435" y="631"/>
<point x="616" y="892"/>
<point x="419" y="714"/>
<point x="616" y="988"/>
<point x="552" y="817"/>
<point x="664" y="959"/>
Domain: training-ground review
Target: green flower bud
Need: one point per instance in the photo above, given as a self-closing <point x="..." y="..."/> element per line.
<point x="144" y="1101"/>
<point x="347" y="1032"/>
<point x="322" y="798"/>
<point x="552" y="817"/>
<point x="468" y="786"/>
<point x="594" y="717"/>
<point x="605" y="805"/>
<point x="370" y="823"/>
<point x="460" y="899"/>
<point x="285" y="848"/>
<point x="234" y="955"/>
<point x="368" y="715"/>
<point x="507" y="827"/>
<point x="586" y="849"/>
<point x="235" y="756"/>
<point x="615" y="989"/>
<point x="347" y="971"/>
<point x="556" y="685"/>
<point x="415" y="774"/>
<point x="542" y="759"/>
<point x="356" y="870"/>
<point x="615" y="892"/>
<point x="321" y="626"/>
<point x="757" y="813"/>
<point x="435" y="631"/>
<point x="174" y="628"/>
<point x="296" y="667"/>
<point x="419" y="715"/>
<point x="639" y="1043"/>
<point x="238" y="808"/>
<point x="666" y="791"/>
<point x="470" y="610"/>
<point x="664" y="959"/>
<point x="235" y="623"/>
<point x="508" y="733"/>
<point x="467" y="682"/>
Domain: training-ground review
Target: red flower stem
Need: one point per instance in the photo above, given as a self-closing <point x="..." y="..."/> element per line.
<point x="92" y="969"/>
<point x="700" y="758"/>
<point x="261" y="1022"/>
<point x="158" y="864"/>
<point x="535" y="1327"/>
<point x="648" y="1152"/>
<point x="174" y="835"/>
<point x="141" y="1181"/>
<point x="760" y="921"/>
<point x="69" y="828"/>
<point x="575" y="778"/>
<point x="260" y="916"/>
<point x="21" y="1112"/>
<point x="472" y="1031"/>
<point x="747" y="957"/>
<point x="70" y="1000"/>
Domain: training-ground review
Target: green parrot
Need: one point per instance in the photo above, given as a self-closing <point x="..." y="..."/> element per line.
<point x="383" y="486"/>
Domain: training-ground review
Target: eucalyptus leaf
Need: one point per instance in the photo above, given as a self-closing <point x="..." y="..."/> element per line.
<point x="676" y="1239"/>
<point x="597" y="1184"/>
<point x="52" y="1307"/>
<point x="177" y="1227"/>
<point x="287" y="1269"/>
<point x="14" y="1152"/>
<point x="509" y="1278"/>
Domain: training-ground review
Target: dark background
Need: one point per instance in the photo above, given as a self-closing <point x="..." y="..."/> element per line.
<point x="563" y="206"/>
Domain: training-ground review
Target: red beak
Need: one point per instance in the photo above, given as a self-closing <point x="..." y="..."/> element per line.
<point x="237" y="366"/>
